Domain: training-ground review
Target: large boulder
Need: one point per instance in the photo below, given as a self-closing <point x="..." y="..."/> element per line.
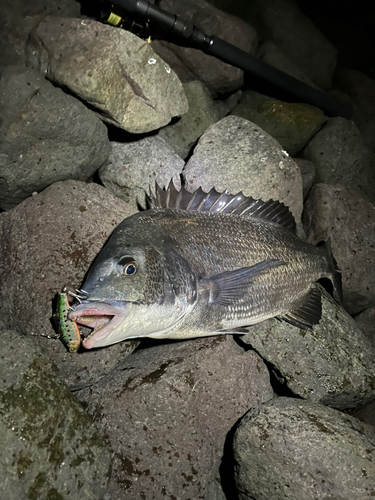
<point x="50" y="448"/>
<point x="238" y="155"/>
<point x="288" y="448"/>
<point x="344" y="216"/>
<point x="46" y="136"/>
<point x="333" y="364"/>
<point x="114" y="71"/>
<point x="167" y="410"/>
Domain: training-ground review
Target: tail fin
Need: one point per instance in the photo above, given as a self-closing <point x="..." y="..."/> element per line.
<point x="336" y="274"/>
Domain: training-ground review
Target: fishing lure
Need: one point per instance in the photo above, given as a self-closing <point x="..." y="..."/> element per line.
<point x="67" y="329"/>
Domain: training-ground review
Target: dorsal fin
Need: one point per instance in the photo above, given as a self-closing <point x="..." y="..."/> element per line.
<point x="224" y="202"/>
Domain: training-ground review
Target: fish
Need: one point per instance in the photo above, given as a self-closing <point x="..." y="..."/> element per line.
<point x="200" y="264"/>
<point x="67" y="329"/>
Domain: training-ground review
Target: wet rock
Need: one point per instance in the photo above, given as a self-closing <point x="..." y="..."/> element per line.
<point x="344" y="216"/>
<point x="334" y="364"/>
<point x="282" y="22"/>
<point x="46" y="136"/>
<point x="48" y="242"/>
<point x="291" y="124"/>
<point x="169" y="408"/>
<point x="271" y="54"/>
<point x="341" y="157"/>
<point x="18" y="19"/>
<point x="288" y="448"/>
<point x="237" y="155"/>
<point x="135" y="166"/>
<point x="50" y="446"/>
<point x="219" y="77"/>
<point x="308" y="173"/>
<point x="112" y="70"/>
<point x="203" y="112"/>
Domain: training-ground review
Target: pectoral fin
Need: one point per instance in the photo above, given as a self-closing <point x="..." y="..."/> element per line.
<point x="308" y="313"/>
<point x="230" y="286"/>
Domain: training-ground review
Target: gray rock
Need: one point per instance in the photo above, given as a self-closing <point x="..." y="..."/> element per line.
<point x="46" y="136"/>
<point x="47" y="242"/>
<point x="288" y="448"/>
<point x="237" y="155"/>
<point x="359" y="87"/>
<point x="334" y="364"/>
<point x="308" y="173"/>
<point x="17" y="21"/>
<point x="167" y="410"/>
<point x="341" y="157"/>
<point x="183" y="134"/>
<point x="271" y="54"/>
<point x="219" y="77"/>
<point x="366" y="322"/>
<point x="344" y="216"/>
<point x="111" y="69"/>
<point x="135" y="166"/>
<point x="291" y="124"/>
<point x="282" y="22"/>
<point x="50" y="446"/>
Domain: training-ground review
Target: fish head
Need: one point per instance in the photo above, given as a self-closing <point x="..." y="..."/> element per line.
<point x="138" y="286"/>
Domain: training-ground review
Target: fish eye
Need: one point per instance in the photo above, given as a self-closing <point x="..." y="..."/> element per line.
<point x="127" y="265"/>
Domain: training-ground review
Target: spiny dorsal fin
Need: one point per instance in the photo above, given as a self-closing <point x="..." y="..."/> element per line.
<point x="224" y="202"/>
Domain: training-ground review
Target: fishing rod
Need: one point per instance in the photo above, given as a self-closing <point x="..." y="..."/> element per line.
<point x="190" y="35"/>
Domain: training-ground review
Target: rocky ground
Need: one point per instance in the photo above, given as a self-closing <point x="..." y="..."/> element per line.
<point x="91" y="116"/>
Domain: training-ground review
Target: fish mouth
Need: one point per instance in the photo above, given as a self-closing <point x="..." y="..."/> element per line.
<point x="103" y="317"/>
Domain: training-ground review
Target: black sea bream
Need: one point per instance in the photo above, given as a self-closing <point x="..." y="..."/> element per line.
<point x="200" y="264"/>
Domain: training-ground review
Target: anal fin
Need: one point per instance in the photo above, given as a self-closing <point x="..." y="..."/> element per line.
<point x="307" y="314"/>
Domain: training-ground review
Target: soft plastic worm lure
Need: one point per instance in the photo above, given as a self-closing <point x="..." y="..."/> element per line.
<point x="67" y="329"/>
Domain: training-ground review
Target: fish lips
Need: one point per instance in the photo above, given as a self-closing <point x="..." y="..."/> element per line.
<point x="103" y="317"/>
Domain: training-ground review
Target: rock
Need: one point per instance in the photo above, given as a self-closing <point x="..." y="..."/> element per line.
<point x="50" y="446"/>
<point x="341" y="157"/>
<point x="203" y="112"/>
<point x="135" y="166"/>
<point x="333" y="364"/>
<point x="167" y="410"/>
<point x="359" y="87"/>
<point x="344" y="216"/>
<point x="18" y="19"/>
<point x="271" y="54"/>
<point x="111" y="69"/>
<point x="237" y="155"/>
<point x="46" y="136"/>
<point x="282" y="22"/>
<point x="219" y="77"/>
<point x="288" y="448"/>
<point x="308" y="173"/>
<point x="291" y="124"/>
<point x="366" y="322"/>
<point x="47" y="242"/>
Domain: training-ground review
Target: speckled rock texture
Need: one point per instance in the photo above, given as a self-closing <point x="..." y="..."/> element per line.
<point x="134" y="166"/>
<point x="334" y="364"/>
<point x="341" y="157"/>
<point x="52" y="448"/>
<point x="238" y="155"/>
<point x="288" y="448"/>
<point x="46" y="136"/>
<point x="291" y="124"/>
<point x="344" y="216"/>
<point x="170" y="407"/>
<point x="112" y="70"/>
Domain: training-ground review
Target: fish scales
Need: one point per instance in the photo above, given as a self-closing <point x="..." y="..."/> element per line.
<point x="169" y="272"/>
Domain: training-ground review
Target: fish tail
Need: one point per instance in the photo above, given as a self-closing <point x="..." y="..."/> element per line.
<point x="334" y="272"/>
